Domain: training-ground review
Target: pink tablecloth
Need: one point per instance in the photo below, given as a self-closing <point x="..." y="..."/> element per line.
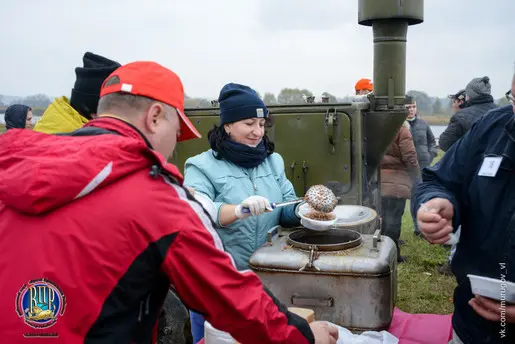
<point x="419" y="328"/>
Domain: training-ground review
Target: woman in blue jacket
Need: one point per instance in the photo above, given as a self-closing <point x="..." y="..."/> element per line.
<point x="241" y="171"/>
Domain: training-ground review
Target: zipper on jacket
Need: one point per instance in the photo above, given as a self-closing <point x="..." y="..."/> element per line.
<point x="147" y="306"/>
<point x="140" y="315"/>
<point x="253" y="181"/>
<point x="249" y="172"/>
<point x="144" y="304"/>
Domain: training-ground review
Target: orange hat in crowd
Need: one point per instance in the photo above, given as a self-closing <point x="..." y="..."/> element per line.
<point x="151" y="80"/>
<point x="364" y="84"/>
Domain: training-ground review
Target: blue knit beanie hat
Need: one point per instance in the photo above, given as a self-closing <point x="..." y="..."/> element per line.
<point x="239" y="102"/>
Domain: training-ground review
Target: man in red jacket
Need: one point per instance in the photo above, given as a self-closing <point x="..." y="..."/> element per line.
<point x="96" y="226"/>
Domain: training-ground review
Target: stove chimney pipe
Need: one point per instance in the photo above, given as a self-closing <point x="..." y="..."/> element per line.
<point x="389" y="20"/>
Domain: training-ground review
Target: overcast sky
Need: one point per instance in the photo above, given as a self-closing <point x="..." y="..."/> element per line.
<point x="266" y="44"/>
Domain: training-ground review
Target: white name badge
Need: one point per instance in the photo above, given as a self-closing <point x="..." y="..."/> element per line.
<point x="490" y="166"/>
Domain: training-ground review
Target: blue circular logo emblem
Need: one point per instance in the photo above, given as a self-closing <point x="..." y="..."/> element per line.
<point x="40" y="302"/>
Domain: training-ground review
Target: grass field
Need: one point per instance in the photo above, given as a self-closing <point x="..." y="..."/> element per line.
<point x="421" y="288"/>
<point x="436" y="119"/>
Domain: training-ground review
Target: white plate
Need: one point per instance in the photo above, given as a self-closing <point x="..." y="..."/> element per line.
<point x="492" y="288"/>
<point x="314" y="224"/>
<point x="350" y="215"/>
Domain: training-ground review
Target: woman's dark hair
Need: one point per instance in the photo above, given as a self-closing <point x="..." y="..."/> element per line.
<point x="218" y="134"/>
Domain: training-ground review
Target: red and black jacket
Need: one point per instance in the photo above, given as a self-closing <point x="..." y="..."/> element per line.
<point x="94" y="229"/>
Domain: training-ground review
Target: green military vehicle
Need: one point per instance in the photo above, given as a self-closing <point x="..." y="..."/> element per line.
<point x="340" y="145"/>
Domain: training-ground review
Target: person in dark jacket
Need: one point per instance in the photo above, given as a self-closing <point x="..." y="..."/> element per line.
<point x="399" y="171"/>
<point x="18" y="116"/>
<point x="425" y="143"/>
<point x="478" y="101"/>
<point x="423" y="137"/>
<point x="473" y="186"/>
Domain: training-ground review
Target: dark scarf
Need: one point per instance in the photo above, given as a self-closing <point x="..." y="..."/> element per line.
<point x="242" y="155"/>
<point x="481" y="99"/>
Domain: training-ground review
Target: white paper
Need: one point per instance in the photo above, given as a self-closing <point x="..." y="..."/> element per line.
<point x="490" y="166"/>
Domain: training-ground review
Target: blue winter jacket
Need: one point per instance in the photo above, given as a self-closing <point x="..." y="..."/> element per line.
<point x="226" y="183"/>
<point x="485" y="208"/>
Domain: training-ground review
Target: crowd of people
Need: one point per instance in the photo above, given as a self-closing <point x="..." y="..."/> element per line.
<point x="113" y="225"/>
<point x="468" y="193"/>
<point x="90" y="203"/>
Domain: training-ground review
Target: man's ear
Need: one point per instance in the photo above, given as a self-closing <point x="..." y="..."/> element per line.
<point x="153" y="116"/>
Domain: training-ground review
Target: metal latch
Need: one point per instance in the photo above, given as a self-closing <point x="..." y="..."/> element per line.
<point x="292" y="168"/>
<point x="331" y="121"/>
<point x="272" y="233"/>
<point x="305" y="168"/>
<point x="312" y="257"/>
<point x="376" y="238"/>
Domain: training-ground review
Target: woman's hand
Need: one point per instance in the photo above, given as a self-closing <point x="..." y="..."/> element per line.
<point x="253" y="205"/>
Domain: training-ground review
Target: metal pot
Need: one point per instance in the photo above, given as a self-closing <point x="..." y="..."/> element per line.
<point x="347" y="278"/>
<point x="332" y="240"/>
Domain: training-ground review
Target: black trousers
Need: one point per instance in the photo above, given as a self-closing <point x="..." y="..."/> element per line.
<point x="392" y="210"/>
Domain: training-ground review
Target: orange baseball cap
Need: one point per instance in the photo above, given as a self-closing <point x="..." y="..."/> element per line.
<point x="364" y="84"/>
<point x="151" y="80"/>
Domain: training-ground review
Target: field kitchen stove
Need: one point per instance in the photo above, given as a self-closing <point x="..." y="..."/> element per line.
<point x="347" y="278"/>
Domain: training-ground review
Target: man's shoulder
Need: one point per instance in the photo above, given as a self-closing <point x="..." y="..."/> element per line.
<point x="460" y="114"/>
<point x="420" y="122"/>
<point x="498" y="115"/>
<point x="157" y="194"/>
<point x="492" y="124"/>
<point x="475" y="109"/>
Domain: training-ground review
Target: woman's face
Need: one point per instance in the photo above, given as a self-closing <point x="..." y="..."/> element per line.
<point x="249" y="131"/>
<point x="28" y="121"/>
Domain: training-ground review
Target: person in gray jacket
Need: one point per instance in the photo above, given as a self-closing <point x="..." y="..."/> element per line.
<point x="425" y="144"/>
<point x="423" y="137"/>
<point x="478" y="101"/>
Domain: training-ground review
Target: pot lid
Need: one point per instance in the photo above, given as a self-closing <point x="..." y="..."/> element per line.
<point x="353" y="215"/>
